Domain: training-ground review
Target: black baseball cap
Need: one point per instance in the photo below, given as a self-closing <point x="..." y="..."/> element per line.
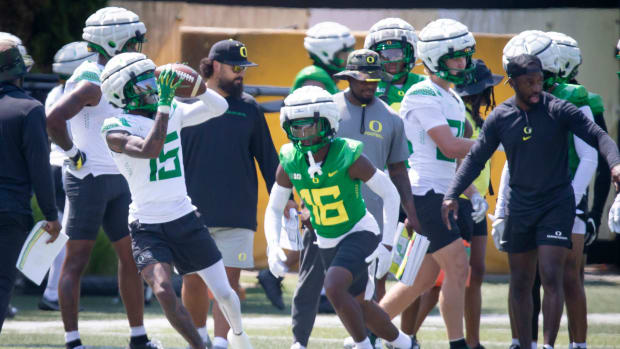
<point x="523" y="64"/>
<point x="482" y="78"/>
<point x="231" y="52"/>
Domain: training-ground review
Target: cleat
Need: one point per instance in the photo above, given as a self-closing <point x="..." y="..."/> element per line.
<point x="272" y="286"/>
<point x="241" y="341"/>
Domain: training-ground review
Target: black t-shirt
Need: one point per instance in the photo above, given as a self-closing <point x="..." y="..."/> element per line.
<point x="536" y="145"/>
<point x="220" y="171"/>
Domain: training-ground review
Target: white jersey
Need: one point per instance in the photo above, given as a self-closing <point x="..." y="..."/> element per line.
<point x="425" y="106"/>
<point x="86" y="126"/>
<point x="158" y="190"/>
<point x="57" y="155"/>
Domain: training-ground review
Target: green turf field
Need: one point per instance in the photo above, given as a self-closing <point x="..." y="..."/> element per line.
<point x="103" y="324"/>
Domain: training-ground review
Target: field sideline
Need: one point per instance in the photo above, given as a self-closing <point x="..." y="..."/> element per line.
<point x="103" y="324"/>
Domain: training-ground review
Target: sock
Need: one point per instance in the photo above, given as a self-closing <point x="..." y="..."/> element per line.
<point x="202" y="331"/>
<point x="71" y="336"/>
<point x="515" y="341"/>
<point x="137" y="331"/>
<point x="220" y="342"/>
<point x="535" y="345"/>
<point x="458" y="344"/>
<point x="547" y="346"/>
<point x="580" y="345"/>
<point x="365" y="344"/>
<point x="402" y="341"/>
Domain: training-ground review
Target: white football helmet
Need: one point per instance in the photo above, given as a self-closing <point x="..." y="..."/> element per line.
<point x="446" y="38"/>
<point x="123" y="75"/>
<point x="313" y="103"/>
<point x="28" y="61"/>
<point x="537" y="43"/>
<point x="570" y="54"/>
<point x="70" y="57"/>
<point x="325" y="41"/>
<point x="392" y="31"/>
<point x="110" y="29"/>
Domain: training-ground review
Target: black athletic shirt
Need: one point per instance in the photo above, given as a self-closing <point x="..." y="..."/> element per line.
<point x="24" y="154"/>
<point x="536" y="145"/>
<point x="220" y="171"/>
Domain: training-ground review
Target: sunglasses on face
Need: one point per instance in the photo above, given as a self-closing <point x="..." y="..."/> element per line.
<point x="238" y="68"/>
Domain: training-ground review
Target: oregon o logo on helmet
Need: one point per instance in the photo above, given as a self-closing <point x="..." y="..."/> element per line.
<point x="243" y="52"/>
<point x="370" y="59"/>
<point x="375" y="126"/>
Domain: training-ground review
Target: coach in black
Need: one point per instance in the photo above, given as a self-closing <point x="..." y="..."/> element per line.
<point x="533" y="126"/>
<point x="24" y="155"/>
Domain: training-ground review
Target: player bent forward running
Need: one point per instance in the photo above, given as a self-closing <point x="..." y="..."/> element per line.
<point x="165" y="229"/>
<point x="327" y="173"/>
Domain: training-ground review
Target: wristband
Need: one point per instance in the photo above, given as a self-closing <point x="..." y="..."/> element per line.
<point x="164" y="109"/>
<point x="71" y="152"/>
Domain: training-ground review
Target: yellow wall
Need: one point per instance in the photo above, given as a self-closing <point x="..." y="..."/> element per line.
<point x="280" y="55"/>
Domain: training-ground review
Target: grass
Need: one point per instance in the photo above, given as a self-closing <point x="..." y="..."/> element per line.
<point x="103" y="323"/>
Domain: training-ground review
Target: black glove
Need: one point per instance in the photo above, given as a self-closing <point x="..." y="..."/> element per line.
<point x="591" y="232"/>
<point x="77" y="161"/>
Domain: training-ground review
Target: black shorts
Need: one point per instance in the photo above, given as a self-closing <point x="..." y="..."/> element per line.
<point x="59" y="186"/>
<point x="466" y="224"/>
<point x="95" y="201"/>
<point x="551" y="225"/>
<point x="351" y="253"/>
<point x="184" y="243"/>
<point x="428" y="208"/>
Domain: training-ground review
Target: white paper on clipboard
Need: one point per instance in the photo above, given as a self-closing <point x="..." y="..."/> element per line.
<point x="37" y="255"/>
<point x="290" y="236"/>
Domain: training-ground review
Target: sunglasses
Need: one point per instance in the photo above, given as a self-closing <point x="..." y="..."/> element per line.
<point x="238" y="68"/>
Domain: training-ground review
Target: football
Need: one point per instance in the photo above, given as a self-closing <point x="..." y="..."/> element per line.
<point x="192" y="84"/>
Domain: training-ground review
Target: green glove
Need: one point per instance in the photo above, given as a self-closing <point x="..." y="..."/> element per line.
<point x="167" y="87"/>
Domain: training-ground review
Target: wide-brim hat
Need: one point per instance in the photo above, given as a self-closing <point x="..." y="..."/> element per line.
<point x="364" y="65"/>
<point x="482" y="79"/>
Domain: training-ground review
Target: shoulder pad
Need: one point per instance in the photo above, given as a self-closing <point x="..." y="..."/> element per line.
<point x="596" y="103"/>
<point x="355" y="146"/>
<point x="115" y="123"/>
<point x="576" y="94"/>
<point x="88" y="71"/>
<point x="422" y="89"/>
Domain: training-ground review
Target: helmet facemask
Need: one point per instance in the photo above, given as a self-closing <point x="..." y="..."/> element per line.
<point x="396" y="52"/>
<point x="302" y="132"/>
<point x="141" y="93"/>
<point x="549" y="79"/>
<point x="462" y="76"/>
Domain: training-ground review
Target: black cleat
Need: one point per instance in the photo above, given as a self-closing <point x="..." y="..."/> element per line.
<point x="48" y="305"/>
<point x="272" y="287"/>
<point x="11" y="311"/>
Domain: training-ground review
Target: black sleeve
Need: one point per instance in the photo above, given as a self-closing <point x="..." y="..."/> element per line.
<point x="36" y="152"/>
<point x="602" y="180"/>
<point x="263" y="150"/>
<point x="591" y="133"/>
<point x="478" y="155"/>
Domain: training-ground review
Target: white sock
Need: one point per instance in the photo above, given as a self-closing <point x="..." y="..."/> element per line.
<point x="580" y="345"/>
<point x="215" y="278"/>
<point x="137" y="331"/>
<point x="365" y="344"/>
<point x="71" y="336"/>
<point x="515" y="341"/>
<point x="202" y="331"/>
<point x="220" y="342"/>
<point x="402" y="341"/>
<point x="547" y="346"/>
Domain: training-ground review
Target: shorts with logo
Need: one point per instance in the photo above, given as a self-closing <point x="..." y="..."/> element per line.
<point x="351" y="253"/>
<point x="551" y="225"/>
<point x="184" y="243"/>
<point x="95" y="201"/>
<point x="236" y="246"/>
<point x="428" y="208"/>
<point x="466" y="224"/>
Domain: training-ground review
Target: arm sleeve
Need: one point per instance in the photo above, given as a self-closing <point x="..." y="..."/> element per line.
<point x="381" y="184"/>
<point x="273" y="214"/>
<point x="602" y="183"/>
<point x="480" y="152"/>
<point x="503" y="193"/>
<point x="263" y="150"/>
<point x="587" y="162"/>
<point x="211" y="105"/>
<point x="592" y="134"/>
<point x="399" y="151"/>
<point x="36" y="153"/>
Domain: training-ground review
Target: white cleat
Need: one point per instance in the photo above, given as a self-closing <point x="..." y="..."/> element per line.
<point x="241" y="341"/>
<point x="349" y="343"/>
<point x="297" y="345"/>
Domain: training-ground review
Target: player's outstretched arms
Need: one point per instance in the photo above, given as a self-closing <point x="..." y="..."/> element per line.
<point x="85" y="94"/>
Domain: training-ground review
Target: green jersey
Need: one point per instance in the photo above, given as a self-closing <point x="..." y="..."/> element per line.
<point x="315" y="73"/>
<point x="578" y="95"/>
<point x="333" y="198"/>
<point x="396" y="94"/>
<point x="596" y="103"/>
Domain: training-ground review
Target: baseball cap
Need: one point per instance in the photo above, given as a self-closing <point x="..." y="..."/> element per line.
<point x="523" y="64"/>
<point x="231" y="52"/>
<point x="364" y="65"/>
<point x="481" y="79"/>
